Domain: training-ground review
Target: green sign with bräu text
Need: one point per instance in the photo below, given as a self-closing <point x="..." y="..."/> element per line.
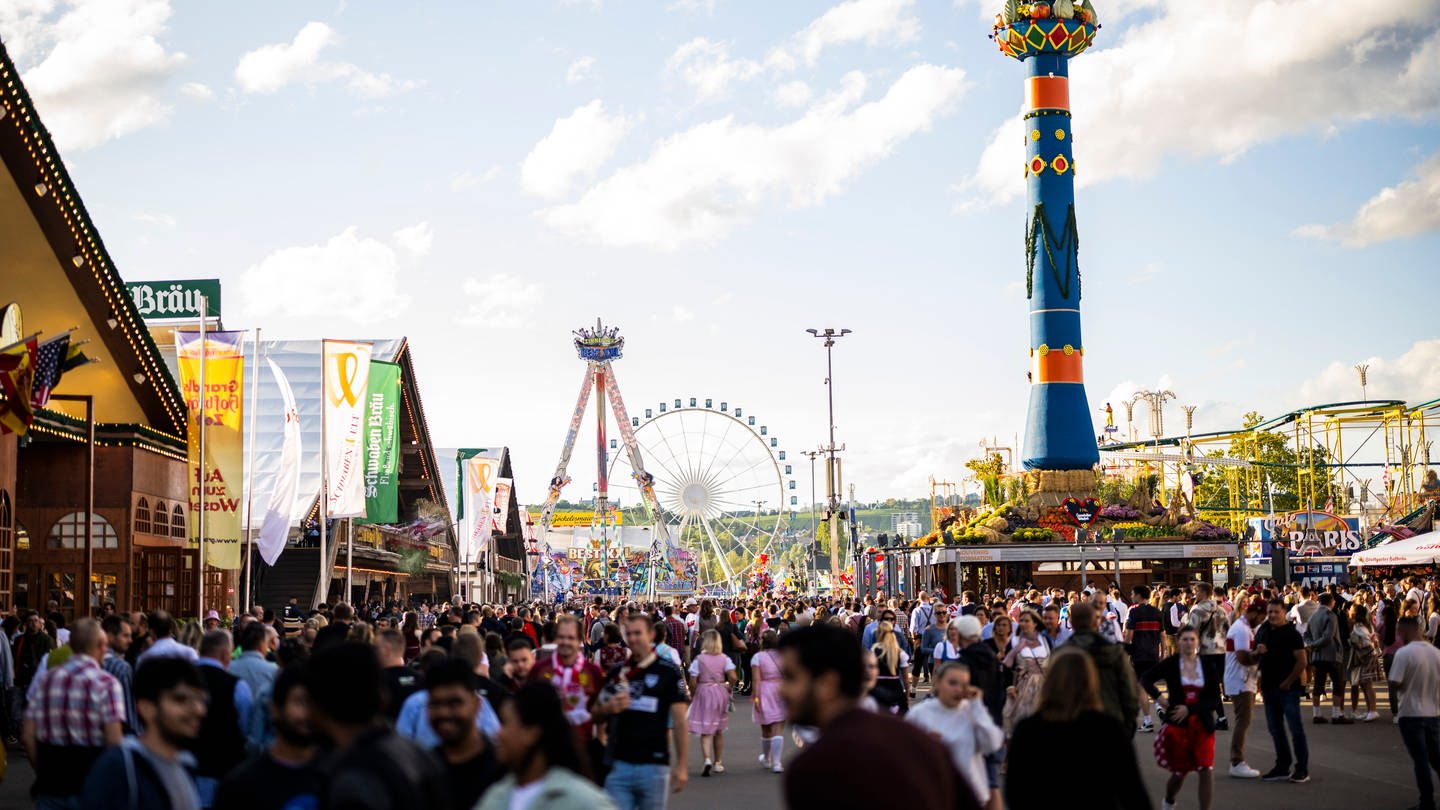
<point x="163" y="300"/>
<point x="382" y="444"/>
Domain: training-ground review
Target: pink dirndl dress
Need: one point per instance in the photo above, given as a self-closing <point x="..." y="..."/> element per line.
<point x="770" y="708"/>
<point x="710" y="705"/>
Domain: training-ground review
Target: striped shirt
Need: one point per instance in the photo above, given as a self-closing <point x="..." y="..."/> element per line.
<point x="74" y="703"/>
<point x="119" y="669"/>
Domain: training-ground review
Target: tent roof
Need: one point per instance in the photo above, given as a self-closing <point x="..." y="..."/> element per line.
<point x="1422" y="549"/>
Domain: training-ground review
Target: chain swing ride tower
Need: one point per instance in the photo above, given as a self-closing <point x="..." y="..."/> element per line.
<point x="599" y="347"/>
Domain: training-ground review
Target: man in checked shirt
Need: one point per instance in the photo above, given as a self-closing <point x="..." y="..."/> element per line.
<point x="77" y="710"/>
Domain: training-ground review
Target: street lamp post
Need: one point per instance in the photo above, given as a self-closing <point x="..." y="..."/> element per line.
<point x="1156" y="401"/>
<point x="814" y="524"/>
<point x="832" y="470"/>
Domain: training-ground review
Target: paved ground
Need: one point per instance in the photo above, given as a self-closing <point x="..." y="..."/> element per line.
<point x="1360" y="766"/>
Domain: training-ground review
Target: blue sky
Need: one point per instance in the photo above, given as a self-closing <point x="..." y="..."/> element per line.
<point x="1259" y="200"/>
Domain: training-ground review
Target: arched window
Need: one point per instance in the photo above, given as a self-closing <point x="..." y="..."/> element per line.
<point x="142" y="516"/>
<point x="160" y="519"/>
<point x="69" y="532"/>
<point x="177" y="522"/>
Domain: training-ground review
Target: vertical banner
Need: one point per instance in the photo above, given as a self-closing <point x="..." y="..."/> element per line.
<point x="478" y="475"/>
<point x="501" y="503"/>
<point x="382" y="444"/>
<point x="347" y="375"/>
<point x="279" y="512"/>
<point x="218" y="493"/>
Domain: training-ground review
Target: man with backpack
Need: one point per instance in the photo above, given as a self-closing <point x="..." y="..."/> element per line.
<point x="154" y="771"/>
<point x="1211" y="623"/>
<point x="1322" y="643"/>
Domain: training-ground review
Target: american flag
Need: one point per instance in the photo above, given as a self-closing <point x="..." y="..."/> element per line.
<point x="49" y="359"/>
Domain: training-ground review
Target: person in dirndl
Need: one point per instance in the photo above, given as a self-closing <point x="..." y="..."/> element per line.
<point x="1187" y="742"/>
<point x="712" y="676"/>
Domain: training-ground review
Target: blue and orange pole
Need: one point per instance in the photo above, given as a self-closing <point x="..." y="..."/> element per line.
<point x="1058" y="430"/>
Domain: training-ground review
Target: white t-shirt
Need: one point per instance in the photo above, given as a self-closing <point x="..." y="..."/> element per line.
<point x="968" y="731"/>
<point x="945" y="651"/>
<point x="1239" y="677"/>
<point x="695" y="666"/>
<point x="523" y="795"/>
<point x="1417" y="670"/>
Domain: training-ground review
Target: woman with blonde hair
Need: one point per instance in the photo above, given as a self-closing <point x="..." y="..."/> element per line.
<point x="712" y="674"/>
<point x="190" y="635"/>
<point x="894" y="664"/>
<point x="1070" y="718"/>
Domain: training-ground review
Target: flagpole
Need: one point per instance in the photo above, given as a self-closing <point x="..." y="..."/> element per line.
<point x="349" y="552"/>
<point x="245" y="597"/>
<point x="200" y="520"/>
<point x="324" y="474"/>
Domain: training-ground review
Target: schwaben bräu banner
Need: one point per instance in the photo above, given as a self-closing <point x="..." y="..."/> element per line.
<point x="219" y="491"/>
<point x="382" y="444"/>
<point x="347" y="375"/>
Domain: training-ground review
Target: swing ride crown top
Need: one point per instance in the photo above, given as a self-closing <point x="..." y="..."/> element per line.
<point x="599" y="344"/>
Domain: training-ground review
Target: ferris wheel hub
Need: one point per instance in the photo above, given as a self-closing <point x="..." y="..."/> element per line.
<point x="695" y="497"/>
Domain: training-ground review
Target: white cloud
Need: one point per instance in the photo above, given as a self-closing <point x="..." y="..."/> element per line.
<point x="159" y="220"/>
<point x="697" y="185"/>
<point x="577" y="146"/>
<point x="416" y="239"/>
<point x="468" y="179"/>
<point x="874" y="22"/>
<point x="355" y="277"/>
<point x="706" y="66"/>
<point x="1413" y="376"/>
<point x="197" y="91"/>
<point x="501" y="301"/>
<point x="792" y="94"/>
<point x="105" y="70"/>
<point x="707" y="6"/>
<point x="1154" y="94"/>
<point x="682" y="314"/>
<point x="1408" y="209"/>
<point x="579" y="70"/>
<point x="269" y="68"/>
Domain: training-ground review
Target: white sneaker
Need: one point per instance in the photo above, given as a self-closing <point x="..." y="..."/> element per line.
<point x="719" y="766"/>
<point x="1241" y="770"/>
<point x="1370" y="717"/>
<point x="1164" y="805"/>
<point x="777" y="768"/>
<point x="764" y="761"/>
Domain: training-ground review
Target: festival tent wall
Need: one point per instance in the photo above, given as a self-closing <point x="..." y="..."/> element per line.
<point x="1422" y="549"/>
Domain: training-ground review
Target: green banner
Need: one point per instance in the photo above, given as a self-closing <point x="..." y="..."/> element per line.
<point x="161" y="300"/>
<point x="382" y="444"/>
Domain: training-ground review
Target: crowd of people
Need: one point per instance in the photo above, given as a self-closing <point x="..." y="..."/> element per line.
<point x="593" y="704"/>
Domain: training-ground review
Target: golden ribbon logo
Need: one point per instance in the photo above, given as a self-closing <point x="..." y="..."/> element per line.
<point x="347" y="368"/>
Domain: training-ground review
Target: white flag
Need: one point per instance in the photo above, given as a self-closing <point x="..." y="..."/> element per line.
<point x="278" y="513"/>
<point x="501" y="503"/>
<point x="347" y="374"/>
<point x="480" y="478"/>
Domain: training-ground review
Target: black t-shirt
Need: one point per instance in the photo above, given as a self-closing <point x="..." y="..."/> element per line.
<point x="1147" y="631"/>
<point x="262" y="783"/>
<point x="400" y="683"/>
<point x="1278" y="661"/>
<point x="729" y="634"/>
<point x="469" y="779"/>
<point x="383" y="771"/>
<point x="639" y="734"/>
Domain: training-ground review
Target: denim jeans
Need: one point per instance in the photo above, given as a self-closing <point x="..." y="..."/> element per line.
<point x="1422" y="740"/>
<point x="638" y="787"/>
<point x="1282" y="708"/>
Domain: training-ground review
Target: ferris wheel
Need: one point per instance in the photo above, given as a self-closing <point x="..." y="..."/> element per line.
<point x="721" y="481"/>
